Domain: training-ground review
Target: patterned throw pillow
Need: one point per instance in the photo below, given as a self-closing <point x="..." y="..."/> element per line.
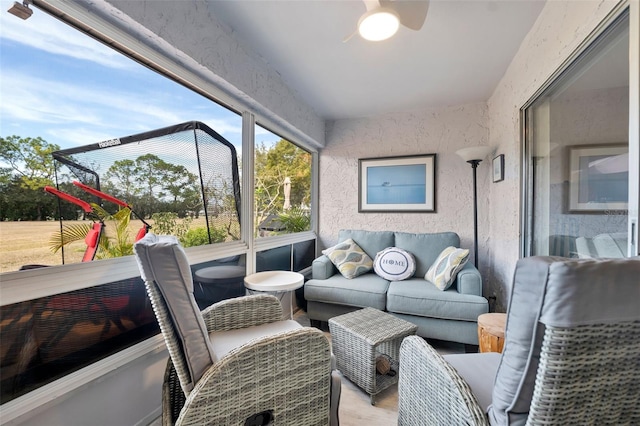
<point x="444" y="270"/>
<point x="349" y="258"/>
<point x="394" y="264"/>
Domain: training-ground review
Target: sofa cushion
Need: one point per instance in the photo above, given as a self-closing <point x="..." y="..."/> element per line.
<point x="445" y="268"/>
<point x="416" y="296"/>
<point x="367" y="290"/>
<point x="371" y="241"/>
<point x="394" y="264"/>
<point x="349" y="258"/>
<point x="612" y="245"/>
<point x="425" y="247"/>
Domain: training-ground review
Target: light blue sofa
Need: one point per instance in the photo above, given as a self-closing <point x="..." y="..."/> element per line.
<point x="446" y="315"/>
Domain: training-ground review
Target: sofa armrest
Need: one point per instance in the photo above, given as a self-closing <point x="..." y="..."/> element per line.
<point x="469" y="280"/>
<point x="322" y="268"/>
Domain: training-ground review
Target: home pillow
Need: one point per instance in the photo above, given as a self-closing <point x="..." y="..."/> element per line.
<point x="394" y="264"/>
<point x="349" y="258"/>
<point x="445" y="268"/>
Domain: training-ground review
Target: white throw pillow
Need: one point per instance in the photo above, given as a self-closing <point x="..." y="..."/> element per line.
<point x="445" y="268"/>
<point x="394" y="264"/>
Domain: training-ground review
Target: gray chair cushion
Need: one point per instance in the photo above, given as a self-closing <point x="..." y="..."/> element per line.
<point x="590" y="292"/>
<point x="516" y="375"/>
<point x="562" y="293"/>
<point x="370" y="241"/>
<point x="162" y="260"/>
<point x="224" y="342"/>
<point x="417" y="296"/>
<point x="479" y="371"/>
<point x="366" y="290"/>
<point x="426" y="247"/>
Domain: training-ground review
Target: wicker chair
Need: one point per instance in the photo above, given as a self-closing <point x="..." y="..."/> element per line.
<point x="571" y="355"/>
<point x="237" y="362"/>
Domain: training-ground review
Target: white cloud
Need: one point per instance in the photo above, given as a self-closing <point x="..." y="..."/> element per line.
<point x="45" y="33"/>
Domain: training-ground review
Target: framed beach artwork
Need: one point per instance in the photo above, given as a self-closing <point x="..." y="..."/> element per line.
<point x="397" y="184"/>
<point x="599" y="178"/>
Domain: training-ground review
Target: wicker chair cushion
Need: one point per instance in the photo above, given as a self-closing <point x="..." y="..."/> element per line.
<point x="612" y="296"/>
<point x="162" y="260"/>
<point x="224" y="342"/>
<point x="597" y="290"/>
<point x="516" y="374"/>
<point x="479" y="371"/>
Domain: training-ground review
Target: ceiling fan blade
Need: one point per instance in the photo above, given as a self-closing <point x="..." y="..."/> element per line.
<point x="347" y="38"/>
<point x="412" y="12"/>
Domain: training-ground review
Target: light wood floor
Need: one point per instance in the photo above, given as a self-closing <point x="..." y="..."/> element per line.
<point x="355" y="406"/>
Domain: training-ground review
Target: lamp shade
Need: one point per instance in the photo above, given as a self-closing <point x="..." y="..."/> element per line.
<point x="378" y="24"/>
<point x="477" y="153"/>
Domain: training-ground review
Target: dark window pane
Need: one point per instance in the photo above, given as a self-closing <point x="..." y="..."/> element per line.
<point x="303" y="254"/>
<point x="218" y="280"/>
<point x="46" y="338"/>
<point x="276" y="259"/>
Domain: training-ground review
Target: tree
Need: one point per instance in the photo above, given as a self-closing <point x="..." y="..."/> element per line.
<point x="29" y="168"/>
<point x="272" y="166"/>
<point x="152" y="185"/>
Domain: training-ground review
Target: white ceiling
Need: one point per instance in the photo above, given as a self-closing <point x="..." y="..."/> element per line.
<point x="458" y="57"/>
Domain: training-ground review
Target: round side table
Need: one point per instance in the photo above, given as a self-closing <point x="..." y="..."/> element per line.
<point x="491" y="332"/>
<point x="278" y="282"/>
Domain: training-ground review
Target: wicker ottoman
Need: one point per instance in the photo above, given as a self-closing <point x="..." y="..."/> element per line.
<point x="359" y="338"/>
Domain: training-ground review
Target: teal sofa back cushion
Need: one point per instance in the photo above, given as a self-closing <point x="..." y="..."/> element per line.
<point x="425" y="247"/>
<point x="370" y="241"/>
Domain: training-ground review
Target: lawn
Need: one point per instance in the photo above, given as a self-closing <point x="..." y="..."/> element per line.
<point x="25" y="243"/>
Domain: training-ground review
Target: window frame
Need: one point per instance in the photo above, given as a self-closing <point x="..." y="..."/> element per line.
<point x="526" y="137"/>
<point x="19" y="286"/>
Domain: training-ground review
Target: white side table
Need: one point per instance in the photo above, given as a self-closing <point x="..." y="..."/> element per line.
<point x="278" y="282"/>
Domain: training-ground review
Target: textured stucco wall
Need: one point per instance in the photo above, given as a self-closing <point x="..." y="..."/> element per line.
<point x="559" y="30"/>
<point x="440" y="131"/>
<point x="189" y="32"/>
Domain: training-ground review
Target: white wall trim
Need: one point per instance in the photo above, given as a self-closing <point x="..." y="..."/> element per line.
<point x="32" y="403"/>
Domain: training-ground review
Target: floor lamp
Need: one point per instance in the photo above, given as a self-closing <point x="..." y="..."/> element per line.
<point x="474" y="155"/>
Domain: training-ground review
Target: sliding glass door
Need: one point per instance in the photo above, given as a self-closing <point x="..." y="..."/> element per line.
<point x="580" y="192"/>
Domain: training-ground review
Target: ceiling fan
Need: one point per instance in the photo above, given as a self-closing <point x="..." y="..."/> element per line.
<point x="383" y="18"/>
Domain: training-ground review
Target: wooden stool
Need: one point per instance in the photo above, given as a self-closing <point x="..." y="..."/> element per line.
<point x="491" y="332"/>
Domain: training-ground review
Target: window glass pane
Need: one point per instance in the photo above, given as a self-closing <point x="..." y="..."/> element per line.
<point x="577" y="131"/>
<point x="303" y="254"/>
<point x="218" y="280"/>
<point x="275" y="259"/>
<point x="91" y="94"/>
<point x="46" y="338"/>
<point x="282" y="185"/>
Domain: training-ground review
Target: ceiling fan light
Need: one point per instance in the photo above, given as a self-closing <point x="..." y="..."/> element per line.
<point x="378" y="24"/>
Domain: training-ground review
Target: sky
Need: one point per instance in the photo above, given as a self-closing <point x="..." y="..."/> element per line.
<point x="62" y="85"/>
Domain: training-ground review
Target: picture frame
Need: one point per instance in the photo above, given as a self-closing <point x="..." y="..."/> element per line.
<point x="397" y="184"/>
<point x="598" y="178"/>
<point x="498" y="168"/>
